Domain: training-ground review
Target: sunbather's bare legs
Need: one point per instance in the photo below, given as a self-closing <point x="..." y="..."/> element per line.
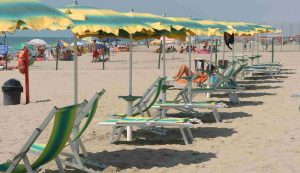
<point x="183" y="70"/>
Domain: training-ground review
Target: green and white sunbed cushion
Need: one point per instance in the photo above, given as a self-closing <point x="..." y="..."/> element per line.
<point x="146" y="120"/>
<point x="209" y="105"/>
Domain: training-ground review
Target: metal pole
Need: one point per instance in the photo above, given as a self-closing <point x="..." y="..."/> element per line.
<point x="252" y="47"/>
<point x="272" y="49"/>
<point x="299" y="36"/>
<point x="75" y="71"/>
<point x="190" y="67"/>
<point x="210" y="59"/>
<point x="164" y="94"/>
<point x="130" y="103"/>
<point x="233" y="53"/>
<point x="216" y="53"/>
<point x="103" y="56"/>
<point x="282" y="37"/>
<point x="224" y="51"/>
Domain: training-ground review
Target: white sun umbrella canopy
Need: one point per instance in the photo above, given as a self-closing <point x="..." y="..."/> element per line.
<point x="37" y="42"/>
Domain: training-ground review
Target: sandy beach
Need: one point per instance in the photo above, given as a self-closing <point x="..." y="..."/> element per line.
<point x="261" y="134"/>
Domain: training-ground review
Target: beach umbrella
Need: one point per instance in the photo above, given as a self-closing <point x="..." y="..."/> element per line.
<point x="37" y="42"/>
<point x="30" y="14"/>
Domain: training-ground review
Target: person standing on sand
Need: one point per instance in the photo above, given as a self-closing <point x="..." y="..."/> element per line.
<point x="94" y="51"/>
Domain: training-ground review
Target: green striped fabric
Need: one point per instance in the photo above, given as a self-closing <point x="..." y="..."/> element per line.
<point x="157" y="94"/>
<point x="90" y="116"/>
<point x="62" y="128"/>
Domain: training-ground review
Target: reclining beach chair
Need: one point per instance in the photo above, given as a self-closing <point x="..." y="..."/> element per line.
<point x="119" y="125"/>
<point x="225" y="84"/>
<point x="143" y="105"/>
<point x="74" y="159"/>
<point x="64" y="119"/>
<point x="187" y="106"/>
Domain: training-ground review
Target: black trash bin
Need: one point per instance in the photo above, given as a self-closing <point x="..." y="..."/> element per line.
<point x="12" y="92"/>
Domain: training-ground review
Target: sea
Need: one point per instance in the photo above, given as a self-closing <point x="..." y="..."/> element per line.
<point x="11" y="41"/>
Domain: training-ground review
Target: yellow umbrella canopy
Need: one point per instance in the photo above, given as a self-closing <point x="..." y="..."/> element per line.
<point x="30" y="14"/>
<point x="202" y="28"/>
<point x="162" y="25"/>
<point x="242" y="28"/>
<point x="105" y="23"/>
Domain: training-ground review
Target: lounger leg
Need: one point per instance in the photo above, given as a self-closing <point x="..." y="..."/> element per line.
<point x="82" y="147"/>
<point x="217" y="116"/>
<point x="75" y="154"/>
<point x="184" y="136"/>
<point x="27" y="164"/>
<point x="113" y="135"/>
<point x="59" y="165"/>
<point x="119" y="133"/>
<point x="190" y="133"/>
<point x="233" y="98"/>
<point x="148" y="113"/>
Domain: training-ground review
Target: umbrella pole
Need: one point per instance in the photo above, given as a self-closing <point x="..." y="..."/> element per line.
<point x="164" y="94"/>
<point x="210" y="59"/>
<point x="190" y="67"/>
<point x="224" y="51"/>
<point x="57" y="57"/>
<point x="75" y="71"/>
<point x="216" y="53"/>
<point x="103" y="57"/>
<point x="159" y="54"/>
<point x="272" y="49"/>
<point x="130" y="103"/>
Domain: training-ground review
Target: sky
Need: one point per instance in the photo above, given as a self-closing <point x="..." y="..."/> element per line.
<point x="272" y="12"/>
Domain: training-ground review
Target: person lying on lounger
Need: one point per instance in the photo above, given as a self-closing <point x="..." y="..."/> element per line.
<point x="185" y="71"/>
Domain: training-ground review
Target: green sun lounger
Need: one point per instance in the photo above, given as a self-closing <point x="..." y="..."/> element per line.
<point x="119" y="125"/>
<point x="64" y="119"/>
<point x="74" y="158"/>
<point x="144" y="104"/>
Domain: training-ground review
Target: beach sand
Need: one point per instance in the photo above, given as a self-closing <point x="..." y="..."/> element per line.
<point x="261" y="134"/>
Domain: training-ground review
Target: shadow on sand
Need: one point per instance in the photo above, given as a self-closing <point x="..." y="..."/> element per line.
<point x="245" y="95"/>
<point x="173" y="136"/>
<point x="143" y="158"/>
<point x="255" y="87"/>
<point x="244" y="103"/>
<point x="259" y="82"/>
<point x="264" y="77"/>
